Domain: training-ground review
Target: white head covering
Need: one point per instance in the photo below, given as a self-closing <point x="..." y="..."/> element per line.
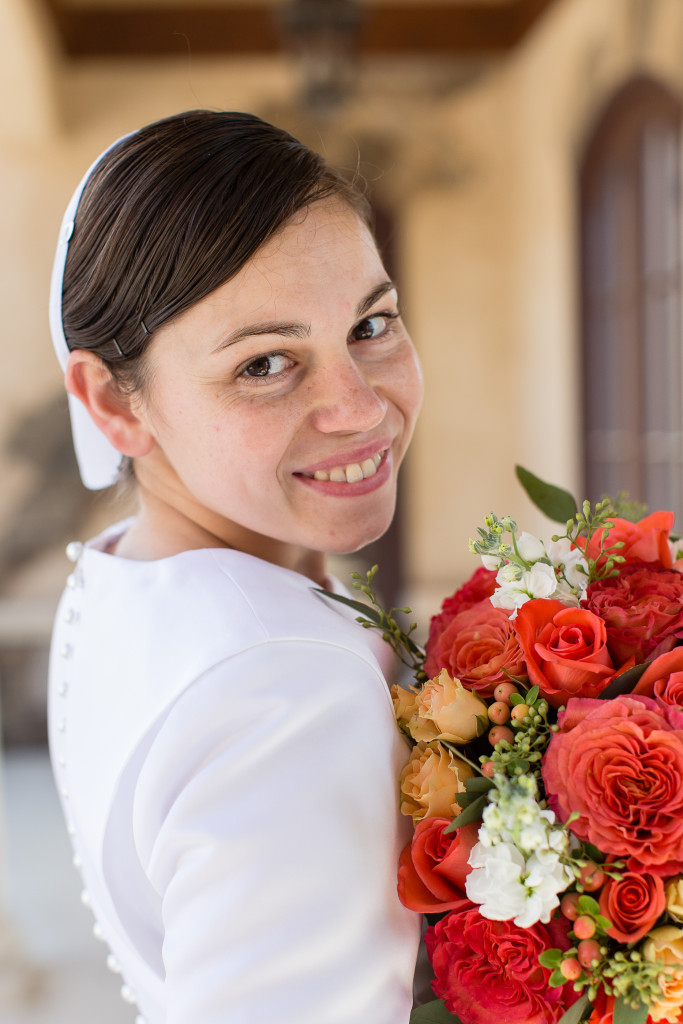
<point x="98" y="460"/>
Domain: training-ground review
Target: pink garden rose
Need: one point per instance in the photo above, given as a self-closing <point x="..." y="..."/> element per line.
<point x="488" y="972"/>
<point x="619" y="765"/>
<point x="642" y="609"/>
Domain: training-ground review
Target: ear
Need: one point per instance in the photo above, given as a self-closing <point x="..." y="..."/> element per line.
<point x="89" y="379"/>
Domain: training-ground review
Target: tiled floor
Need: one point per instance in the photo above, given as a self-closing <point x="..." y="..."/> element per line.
<point x="73" y="985"/>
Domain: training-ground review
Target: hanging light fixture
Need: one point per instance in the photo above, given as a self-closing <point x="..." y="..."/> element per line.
<point x="324" y="36"/>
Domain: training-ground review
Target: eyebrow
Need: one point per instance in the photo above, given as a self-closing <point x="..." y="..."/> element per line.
<point x="296" y="329"/>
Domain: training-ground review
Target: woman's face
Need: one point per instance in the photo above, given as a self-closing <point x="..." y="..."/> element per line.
<point x="282" y="404"/>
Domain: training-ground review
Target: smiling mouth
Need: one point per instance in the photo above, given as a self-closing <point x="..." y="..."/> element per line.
<point x="352" y="473"/>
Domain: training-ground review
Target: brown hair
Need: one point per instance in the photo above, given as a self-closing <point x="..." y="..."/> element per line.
<point x="172" y="212"/>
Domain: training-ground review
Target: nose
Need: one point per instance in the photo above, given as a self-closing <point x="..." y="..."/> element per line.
<point x="347" y="401"/>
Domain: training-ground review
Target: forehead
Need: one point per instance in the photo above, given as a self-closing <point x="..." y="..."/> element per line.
<point x="322" y="261"/>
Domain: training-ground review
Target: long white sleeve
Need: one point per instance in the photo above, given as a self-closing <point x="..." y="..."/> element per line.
<point x="266" y="819"/>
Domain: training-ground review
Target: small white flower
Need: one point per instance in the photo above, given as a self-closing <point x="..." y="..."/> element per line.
<point x="570" y="560"/>
<point x="539" y="581"/>
<point x="530" y="547"/>
<point x="490" y="561"/>
<point x="495" y="881"/>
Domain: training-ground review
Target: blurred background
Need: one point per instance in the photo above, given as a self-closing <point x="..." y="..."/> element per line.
<point x="523" y="159"/>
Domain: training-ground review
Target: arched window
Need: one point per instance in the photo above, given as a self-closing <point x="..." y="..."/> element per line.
<point x="631" y="299"/>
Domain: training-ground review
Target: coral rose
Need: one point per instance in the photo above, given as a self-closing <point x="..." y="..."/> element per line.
<point x="488" y="971"/>
<point x="430" y="781"/>
<point x="665" y="945"/>
<point x="642" y="609"/>
<point x="645" y="541"/>
<point x="618" y="764"/>
<point x="632" y="903"/>
<point x="405" y="703"/>
<point x="479" y="586"/>
<point x="432" y="869"/>
<point x="565" y="650"/>
<point x="663" y="679"/>
<point x="479" y="647"/>
<point x="445" y="710"/>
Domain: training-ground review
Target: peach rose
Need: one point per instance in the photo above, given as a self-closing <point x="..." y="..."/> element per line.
<point x="480" y="648"/>
<point x="432" y="869"/>
<point x="565" y="650"/>
<point x="632" y="903"/>
<point x="430" y="781"/>
<point x="665" y="945"/>
<point x="405" y="703"/>
<point x="645" y="541"/>
<point x="445" y="710"/>
<point x="674" y="898"/>
<point x="663" y="679"/>
<point x="619" y="765"/>
<point x="480" y="585"/>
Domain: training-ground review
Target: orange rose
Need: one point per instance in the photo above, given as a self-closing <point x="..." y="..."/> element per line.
<point x="445" y="710"/>
<point x="646" y="541"/>
<point x="565" y="650"/>
<point x="405" y="703"/>
<point x="663" y="679"/>
<point x="432" y="869"/>
<point x="430" y="781"/>
<point x="480" y="585"/>
<point x="632" y="903"/>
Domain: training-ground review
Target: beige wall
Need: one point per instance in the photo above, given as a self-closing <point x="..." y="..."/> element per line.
<point x="479" y="164"/>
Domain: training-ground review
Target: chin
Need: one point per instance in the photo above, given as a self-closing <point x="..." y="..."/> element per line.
<point x="352" y="542"/>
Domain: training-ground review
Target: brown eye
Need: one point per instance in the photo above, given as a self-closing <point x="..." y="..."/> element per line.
<point x="266" y="366"/>
<point x="370" y="327"/>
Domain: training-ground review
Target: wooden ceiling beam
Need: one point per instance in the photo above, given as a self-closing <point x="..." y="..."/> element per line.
<point x="391" y="29"/>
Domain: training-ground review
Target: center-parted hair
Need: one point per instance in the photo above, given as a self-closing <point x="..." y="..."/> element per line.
<point x="172" y="212"/>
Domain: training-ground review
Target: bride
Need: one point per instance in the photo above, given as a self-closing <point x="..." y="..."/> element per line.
<point x="222" y="738"/>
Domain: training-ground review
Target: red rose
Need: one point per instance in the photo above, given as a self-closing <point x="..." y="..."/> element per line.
<point x="646" y="541"/>
<point x="488" y="971"/>
<point x="479" y="647"/>
<point x="619" y="765"/>
<point x="481" y="584"/>
<point x="642" y="609"/>
<point x="663" y="679"/>
<point x="632" y="903"/>
<point x="565" y="650"/>
<point x="432" y="869"/>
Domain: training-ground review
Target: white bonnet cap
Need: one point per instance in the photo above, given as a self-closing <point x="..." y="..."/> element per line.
<point x="98" y="460"/>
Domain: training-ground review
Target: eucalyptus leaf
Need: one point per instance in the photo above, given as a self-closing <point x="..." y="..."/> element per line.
<point x="624" y="683"/>
<point x="577" y="1011"/>
<point x="358" y="606"/>
<point x="433" y="1013"/>
<point x="471" y="813"/>
<point x="465" y="799"/>
<point x="554" y="502"/>
<point x="625" y="1014"/>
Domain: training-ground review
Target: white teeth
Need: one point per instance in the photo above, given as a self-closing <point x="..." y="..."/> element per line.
<point x="354" y="473"/>
<point x="351" y="474"/>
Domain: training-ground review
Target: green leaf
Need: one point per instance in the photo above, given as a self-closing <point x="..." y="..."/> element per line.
<point x="517" y="698"/>
<point x="479" y="784"/>
<point x="433" y="1013"/>
<point x="593" y="852"/>
<point x="358" y="606"/>
<point x="531" y="695"/>
<point x="557" y="979"/>
<point x="579" y="1010"/>
<point x="550" y="958"/>
<point x="587" y="905"/>
<point x="554" y="502"/>
<point x="471" y="813"/>
<point x="625" y="1014"/>
<point x="623" y="683"/>
<point x="465" y="799"/>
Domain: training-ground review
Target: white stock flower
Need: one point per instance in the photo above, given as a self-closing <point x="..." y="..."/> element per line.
<point x="491" y="562"/>
<point x="539" y="581"/>
<point x="508" y="887"/>
<point x="530" y="547"/>
<point x="571" y="561"/>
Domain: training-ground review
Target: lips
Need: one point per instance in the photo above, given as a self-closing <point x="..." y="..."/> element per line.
<point x="350" y="466"/>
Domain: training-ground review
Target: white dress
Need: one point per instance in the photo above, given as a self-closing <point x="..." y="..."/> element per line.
<point x="224" y="743"/>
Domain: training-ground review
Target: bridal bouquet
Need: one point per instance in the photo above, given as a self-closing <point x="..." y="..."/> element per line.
<point x="545" y="780"/>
